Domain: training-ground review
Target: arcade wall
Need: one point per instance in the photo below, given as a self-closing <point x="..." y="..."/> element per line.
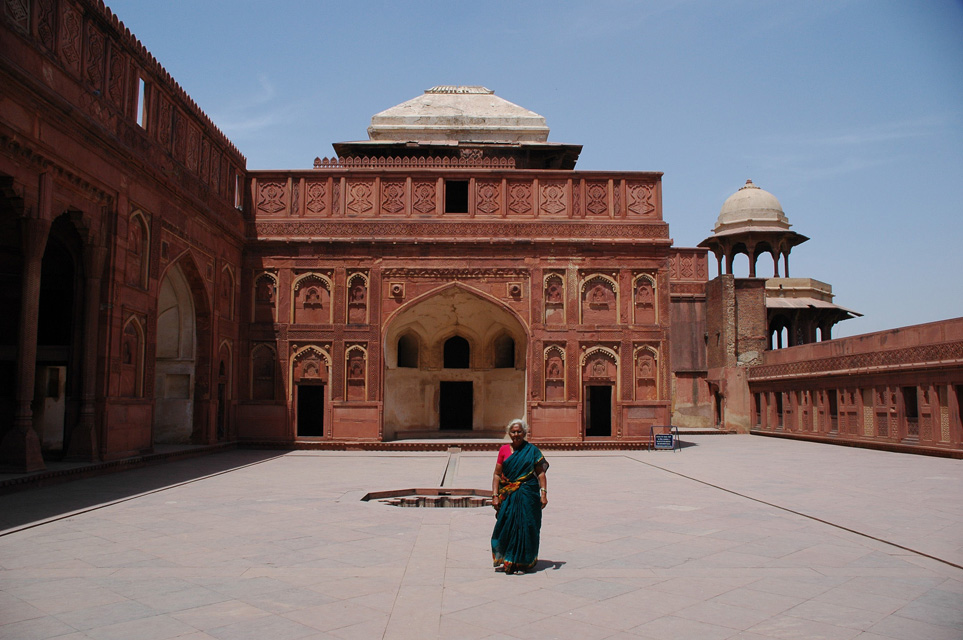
<point x="899" y="389"/>
<point x="106" y="162"/>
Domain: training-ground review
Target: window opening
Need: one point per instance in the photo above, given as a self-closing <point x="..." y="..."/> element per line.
<point x="456" y="196"/>
<point x="457" y="353"/>
<point x="141" y="107"/>
<point x="407" y="352"/>
<point x="504" y="353"/>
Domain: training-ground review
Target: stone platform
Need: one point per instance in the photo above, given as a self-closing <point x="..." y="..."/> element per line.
<point x="735" y="537"/>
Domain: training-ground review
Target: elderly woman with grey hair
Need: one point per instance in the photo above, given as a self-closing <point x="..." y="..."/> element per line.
<point x="519" y="493"/>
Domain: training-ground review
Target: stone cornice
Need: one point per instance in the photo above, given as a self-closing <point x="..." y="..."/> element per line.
<point x="17" y="148"/>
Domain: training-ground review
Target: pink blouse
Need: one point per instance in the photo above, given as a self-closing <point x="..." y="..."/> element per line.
<point x="503" y="453"/>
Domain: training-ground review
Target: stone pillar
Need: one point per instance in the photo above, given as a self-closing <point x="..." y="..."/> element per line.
<point x="785" y="261"/>
<point x="83" y="439"/>
<point x="20" y="449"/>
<point x="775" y="265"/>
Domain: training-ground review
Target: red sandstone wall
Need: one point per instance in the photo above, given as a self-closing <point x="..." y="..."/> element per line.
<point x="899" y="389"/>
<point x="70" y="115"/>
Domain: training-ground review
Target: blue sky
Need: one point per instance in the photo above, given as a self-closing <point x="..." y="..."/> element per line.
<point x="848" y="111"/>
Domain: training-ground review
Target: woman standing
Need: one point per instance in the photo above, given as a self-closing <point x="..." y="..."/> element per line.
<point x="519" y="493"/>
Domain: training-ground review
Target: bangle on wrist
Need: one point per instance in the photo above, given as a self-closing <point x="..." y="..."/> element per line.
<point x="544" y="490"/>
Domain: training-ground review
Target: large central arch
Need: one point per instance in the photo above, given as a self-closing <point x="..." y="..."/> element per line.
<point x="424" y="393"/>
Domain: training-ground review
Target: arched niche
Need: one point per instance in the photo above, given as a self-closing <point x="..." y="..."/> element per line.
<point x="265" y="297"/>
<point x="132" y="359"/>
<point x="311" y="299"/>
<point x="225" y="296"/>
<point x="645" y="307"/>
<point x="553" y="299"/>
<point x="600" y="390"/>
<point x="646" y="359"/>
<point x="311" y="391"/>
<point x="554" y="361"/>
<point x="599" y="300"/>
<point x="456" y="353"/>
<point x="357" y="302"/>
<point x="138" y="249"/>
<point x="503" y="348"/>
<point x="356" y="373"/>
<point x="408" y="351"/>
<point x="263" y="373"/>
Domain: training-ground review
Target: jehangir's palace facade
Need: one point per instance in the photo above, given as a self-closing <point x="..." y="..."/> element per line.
<point x="449" y="273"/>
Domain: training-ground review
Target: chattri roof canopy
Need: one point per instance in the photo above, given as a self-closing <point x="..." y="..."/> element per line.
<point x="458" y="113"/>
<point x="751" y="209"/>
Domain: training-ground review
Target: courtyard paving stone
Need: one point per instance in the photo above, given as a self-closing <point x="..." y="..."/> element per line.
<point x="732" y="537"/>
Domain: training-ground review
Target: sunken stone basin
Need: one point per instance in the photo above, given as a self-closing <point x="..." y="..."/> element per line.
<point x="439" y="497"/>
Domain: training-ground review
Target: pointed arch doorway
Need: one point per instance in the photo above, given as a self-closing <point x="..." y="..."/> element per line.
<point x="448" y="368"/>
<point x="182" y="358"/>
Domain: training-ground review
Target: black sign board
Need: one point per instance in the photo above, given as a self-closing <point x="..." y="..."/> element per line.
<point x="664" y="441"/>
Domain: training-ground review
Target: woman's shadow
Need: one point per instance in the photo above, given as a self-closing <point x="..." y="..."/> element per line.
<point x="545" y="565"/>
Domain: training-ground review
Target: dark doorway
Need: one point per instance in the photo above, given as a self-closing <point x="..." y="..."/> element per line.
<point x="833" y="411"/>
<point x="310" y="409"/>
<point x="455" y="405"/>
<point x="598" y="411"/>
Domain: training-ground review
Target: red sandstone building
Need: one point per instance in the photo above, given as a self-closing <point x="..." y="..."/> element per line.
<point x="449" y="273"/>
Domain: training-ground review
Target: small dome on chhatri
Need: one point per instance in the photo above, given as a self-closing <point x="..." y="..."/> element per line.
<point x="751" y="208"/>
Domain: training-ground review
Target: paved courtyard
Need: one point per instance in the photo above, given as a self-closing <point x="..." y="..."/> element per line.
<point x="733" y="537"/>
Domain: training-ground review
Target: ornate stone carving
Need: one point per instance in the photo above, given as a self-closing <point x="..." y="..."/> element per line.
<point x="641" y="199"/>
<point x="315" y="197"/>
<point x="465" y="229"/>
<point x="454" y="274"/>
<point x="46" y="23"/>
<point x="917" y="356"/>
<point x="470" y="160"/>
<point x="164" y="118"/>
<point x="118" y="78"/>
<point x="489" y="196"/>
<point x="271" y="197"/>
<point x="359" y="197"/>
<point x="18" y="13"/>
<point x="424" y="195"/>
<point x="95" y="56"/>
<point x="553" y="197"/>
<point x="70" y="29"/>
<point x="520" y="197"/>
<point x="393" y="196"/>
<point x="597" y="195"/>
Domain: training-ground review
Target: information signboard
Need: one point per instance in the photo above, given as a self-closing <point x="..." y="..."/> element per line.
<point x="664" y="441"/>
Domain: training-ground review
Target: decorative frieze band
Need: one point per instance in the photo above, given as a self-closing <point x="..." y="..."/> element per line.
<point x="380" y="162"/>
<point x="872" y="362"/>
<point x="454" y="274"/>
<point x="405" y="231"/>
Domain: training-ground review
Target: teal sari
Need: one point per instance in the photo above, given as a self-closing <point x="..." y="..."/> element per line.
<point x="519" y="517"/>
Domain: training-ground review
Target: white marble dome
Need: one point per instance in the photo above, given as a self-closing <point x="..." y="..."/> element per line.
<point x="751" y="208"/>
